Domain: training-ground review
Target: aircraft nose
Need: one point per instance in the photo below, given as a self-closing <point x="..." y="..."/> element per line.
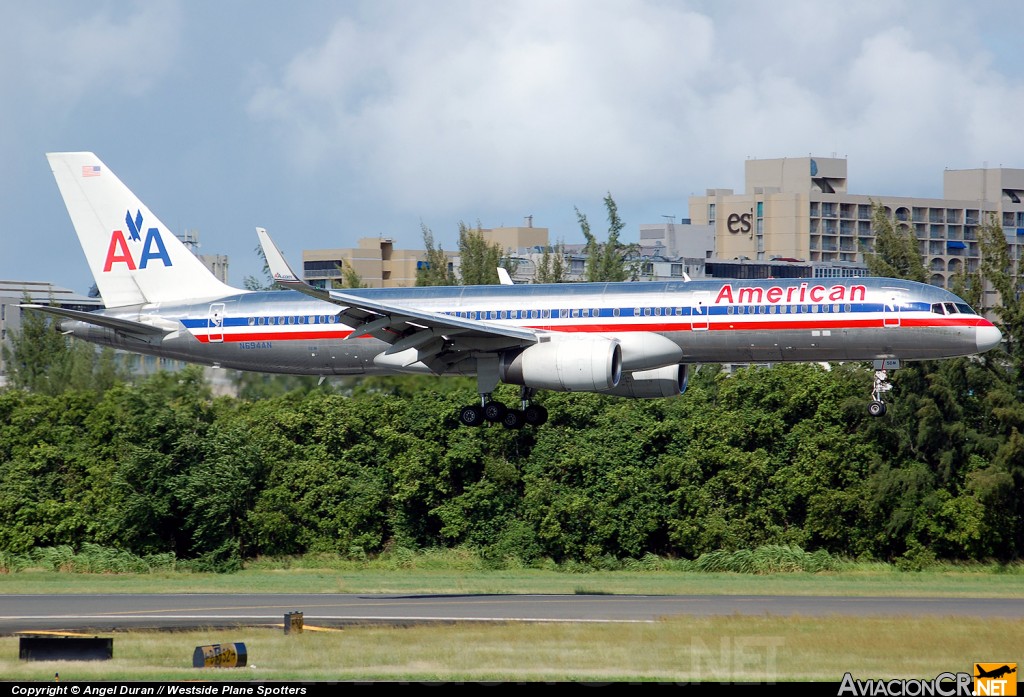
<point x="987" y="337"/>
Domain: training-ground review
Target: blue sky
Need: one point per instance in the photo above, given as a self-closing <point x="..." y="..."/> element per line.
<point x="327" y="121"/>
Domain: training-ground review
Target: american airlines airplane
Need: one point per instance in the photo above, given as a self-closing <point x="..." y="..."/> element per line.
<point x="627" y="339"/>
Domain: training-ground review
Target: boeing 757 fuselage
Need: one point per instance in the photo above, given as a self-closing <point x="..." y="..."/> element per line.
<point x="626" y="339"/>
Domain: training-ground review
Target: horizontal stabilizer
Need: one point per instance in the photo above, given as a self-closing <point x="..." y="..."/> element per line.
<point x="126" y="326"/>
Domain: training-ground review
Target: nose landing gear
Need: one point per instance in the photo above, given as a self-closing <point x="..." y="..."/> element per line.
<point x="880" y="386"/>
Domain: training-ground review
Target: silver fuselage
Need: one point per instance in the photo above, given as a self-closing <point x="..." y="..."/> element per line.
<point x="731" y="321"/>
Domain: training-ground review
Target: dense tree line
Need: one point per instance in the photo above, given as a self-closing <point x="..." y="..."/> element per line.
<point x="785" y="455"/>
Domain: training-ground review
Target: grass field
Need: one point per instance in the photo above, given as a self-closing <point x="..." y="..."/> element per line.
<point x="726" y="649"/>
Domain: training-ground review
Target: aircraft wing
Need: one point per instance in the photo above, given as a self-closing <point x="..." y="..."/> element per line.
<point x="125" y="326"/>
<point x="437" y="339"/>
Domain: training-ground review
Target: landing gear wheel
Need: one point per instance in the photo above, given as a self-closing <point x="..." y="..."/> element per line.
<point x="495" y="411"/>
<point x="535" y="415"/>
<point x="472" y="415"/>
<point x="880" y="386"/>
<point x="513" y="418"/>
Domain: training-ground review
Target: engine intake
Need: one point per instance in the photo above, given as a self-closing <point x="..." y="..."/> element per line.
<point x="669" y="381"/>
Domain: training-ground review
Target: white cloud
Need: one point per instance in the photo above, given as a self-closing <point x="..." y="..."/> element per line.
<point x="488" y="103"/>
<point x="492" y="104"/>
<point x="59" y="57"/>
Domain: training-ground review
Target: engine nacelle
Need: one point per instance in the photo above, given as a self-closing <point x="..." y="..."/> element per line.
<point x="669" y="381"/>
<point x="584" y="364"/>
<point x="646" y="350"/>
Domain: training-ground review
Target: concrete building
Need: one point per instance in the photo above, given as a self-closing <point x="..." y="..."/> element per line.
<point x="376" y="261"/>
<point x="514" y="239"/>
<point x="800" y="209"/>
<point x="216" y="263"/>
<point x="379" y="265"/>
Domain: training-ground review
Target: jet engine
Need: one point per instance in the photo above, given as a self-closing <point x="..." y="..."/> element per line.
<point x="669" y="381"/>
<point x="584" y="364"/>
<point x="646" y="350"/>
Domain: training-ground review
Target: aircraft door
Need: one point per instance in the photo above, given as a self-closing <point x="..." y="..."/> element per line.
<point x="699" y="310"/>
<point x="891" y="311"/>
<point x="215" y="323"/>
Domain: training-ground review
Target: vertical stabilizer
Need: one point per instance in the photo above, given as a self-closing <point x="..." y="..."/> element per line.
<point x="134" y="258"/>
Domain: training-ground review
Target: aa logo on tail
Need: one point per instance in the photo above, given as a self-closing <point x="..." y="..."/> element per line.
<point x="119" y="251"/>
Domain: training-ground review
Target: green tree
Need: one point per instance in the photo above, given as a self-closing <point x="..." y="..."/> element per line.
<point x="41" y="358"/>
<point x="551" y="268"/>
<point x="267" y="282"/>
<point x="1001" y="272"/>
<point x="896" y="253"/>
<point x="435" y="271"/>
<point x="478" y="260"/>
<point x="610" y="260"/>
<point x="350" y="279"/>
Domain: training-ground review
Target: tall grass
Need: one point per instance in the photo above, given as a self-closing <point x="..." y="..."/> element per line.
<point x="90" y="559"/>
<point x="770" y="559"/>
<point x="723" y="649"/>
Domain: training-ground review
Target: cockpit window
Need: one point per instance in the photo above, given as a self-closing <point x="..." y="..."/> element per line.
<point x="952" y="309"/>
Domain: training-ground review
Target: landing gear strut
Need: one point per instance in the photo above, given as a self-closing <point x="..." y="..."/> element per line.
<point x="493" y="411"/>
<point x="880" y="386"/>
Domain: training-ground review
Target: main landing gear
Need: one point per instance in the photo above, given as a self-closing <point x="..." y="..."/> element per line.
<point x="496" y="412"/>
<point x="880" y="386"/>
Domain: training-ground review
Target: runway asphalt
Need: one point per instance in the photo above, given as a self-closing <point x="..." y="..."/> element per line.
<point x="28" y="613"/>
